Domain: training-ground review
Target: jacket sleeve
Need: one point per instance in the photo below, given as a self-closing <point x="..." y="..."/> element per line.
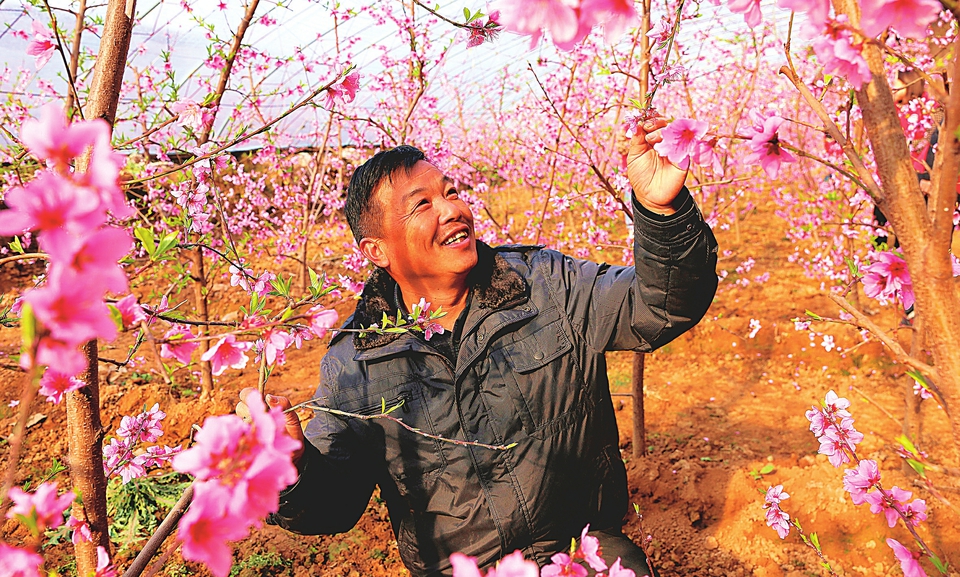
<point x="336" y="474"/>
<point x="647" y="305"/>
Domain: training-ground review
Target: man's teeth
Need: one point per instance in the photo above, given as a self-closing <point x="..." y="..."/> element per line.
<point x="455" y="238"/>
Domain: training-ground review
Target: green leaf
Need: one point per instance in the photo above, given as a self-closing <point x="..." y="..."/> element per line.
<point x="287" y="313"/>
<point x="16" y="246"/>
<point x="28" y="326"/>
<point x="146" y="238"/>
<point x="813" y="315"/>
<point x="636" y="508"/>
<point x="466" y="13"/>
<point x="940" y="565"/>
<point x="116" y="316"/>
<point x="706" y="459"/>
<point x="767" y="469"/>
<point x="168" y="241"/>
<point x="815" y="540"/>
<point x="314" y="279"/>
<point x="852" y="267"/>
<point x="906" y="442"/>
<point x="919" y="467"/>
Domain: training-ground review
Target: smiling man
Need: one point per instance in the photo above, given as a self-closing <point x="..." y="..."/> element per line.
<point x="520" y="363"/>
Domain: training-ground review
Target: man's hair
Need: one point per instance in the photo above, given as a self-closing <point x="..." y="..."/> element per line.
<point x="363" y="211"/>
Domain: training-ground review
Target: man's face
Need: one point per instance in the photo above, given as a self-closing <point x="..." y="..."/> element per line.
<point x="427" y="230"/>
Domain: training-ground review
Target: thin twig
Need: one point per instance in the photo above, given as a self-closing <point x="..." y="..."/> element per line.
<point x="313" y="404"/>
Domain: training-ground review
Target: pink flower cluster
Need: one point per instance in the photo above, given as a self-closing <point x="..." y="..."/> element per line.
<point x="345" y="90"/>
<point x="121" y="455"/>
<point x="765" y="147"/>
<point x="684" y="142"/>
<point x="69" y="210"/>
<point x="567" y="21"/>
<point x="833" y="427"/>
<point x="484" y="32"/>
<point x="776" y="517"/>
<point x="562" y="564"/>
<point x="239" y="470"/>
<point x="888" y="279"/>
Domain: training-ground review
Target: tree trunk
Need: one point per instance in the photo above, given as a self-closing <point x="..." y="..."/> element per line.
<point x="199" y="278"/>
<point x="924" y="231"/>
<point x="84" y="430"/>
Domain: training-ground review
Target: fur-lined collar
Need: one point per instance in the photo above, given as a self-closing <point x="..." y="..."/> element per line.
<point x="494" y="283"/>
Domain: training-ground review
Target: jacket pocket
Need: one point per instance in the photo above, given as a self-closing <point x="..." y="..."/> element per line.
<point x="540" y="375"/>
<point x="412" y="459"/>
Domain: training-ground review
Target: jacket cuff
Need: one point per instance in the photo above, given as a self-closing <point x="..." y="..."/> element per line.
<point x="664" y="235"/>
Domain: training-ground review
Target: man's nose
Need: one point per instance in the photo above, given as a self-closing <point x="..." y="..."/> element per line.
<point x="448" y="210"/>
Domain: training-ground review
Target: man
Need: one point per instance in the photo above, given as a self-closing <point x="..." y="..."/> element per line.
<point x="520" y="363"/>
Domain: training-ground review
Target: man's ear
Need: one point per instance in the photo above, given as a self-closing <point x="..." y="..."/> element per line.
<point x="372" y="248"/>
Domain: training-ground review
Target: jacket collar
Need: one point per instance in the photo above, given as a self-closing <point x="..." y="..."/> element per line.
<point x="493" y="281"/>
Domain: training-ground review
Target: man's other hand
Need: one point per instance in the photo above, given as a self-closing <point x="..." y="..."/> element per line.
<point x="655" y="180"/>
<point x="292" y="423"/>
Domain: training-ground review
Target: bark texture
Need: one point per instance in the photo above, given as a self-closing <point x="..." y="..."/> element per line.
<point x="84" y="429"/>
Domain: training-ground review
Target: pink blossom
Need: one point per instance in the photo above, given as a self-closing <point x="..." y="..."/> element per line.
<point x="881" y="504"/>
<point x="144" y="427"/>
<point x="660" y="32"/>
<point x="754" y="328"/>
<point x="775" y="495"/>
<point x="817" y="11"/>
<point x="887" y="278"/>
<point x="484" y="32"/>
<point x="766" y="149"/>
<point x="262" y="285"/>
<point x="909" y="561"/>
<point x="90" y="257"/>
<point x="189" y="114"/>
<point x="43" y="508"/>
<point x="835" y="405"/>
<point x="532" y="16"/>
<point x="909" y="17"/>
<point x="176" y="347"/>
<point x="860" y="480"/>
<point x="464" y="566"/>
<point x="54" y="385"/>
<point x="817" y="421"/>
<point x="51" y="204"/>
<point x="72" y="313"/>
<point x="51" y="139"/>
<point x="614" y="15"/>
<point x="240" y="278"/>
<point x="130" y="312"/>
<point x="205" y="533"/>
<point x="563" y="565"/>
<point x="921" y="390"/>
<point x="81" y="530"/>
<point x="779" y="521"/>
<point x="239" y="469"/>
<point x="840" y="55"/>
<point x="749" y="8"/>
<point x="589" y="550"/>
<point x="18" y="562"/>
<point x="104" y="568"/>
<point x="42" y="46"/>
<point x="681" y="141"/>
<point x="345" y="91"/>
<point x="274" y="343"/>
<point x="514" y="565"/>
<point x="321" y="320"/>
<point x="66" y="358"/>
<point x="227" y="353"/>
<point x="616" y="570"/>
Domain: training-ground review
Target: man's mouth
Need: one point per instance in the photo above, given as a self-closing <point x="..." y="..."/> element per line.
<point x="455" y="238"/>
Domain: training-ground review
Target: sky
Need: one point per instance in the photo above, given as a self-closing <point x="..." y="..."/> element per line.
<point x="307" y="25"/>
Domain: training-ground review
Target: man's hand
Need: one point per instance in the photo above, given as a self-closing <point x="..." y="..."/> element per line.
<point x="655" y="180"/>
<point x="293" y="427"/>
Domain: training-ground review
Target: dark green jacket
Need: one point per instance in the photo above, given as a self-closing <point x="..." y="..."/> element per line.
<point x="530" y="371"/>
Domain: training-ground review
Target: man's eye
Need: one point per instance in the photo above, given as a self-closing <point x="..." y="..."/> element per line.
<point x="453" y="192"/>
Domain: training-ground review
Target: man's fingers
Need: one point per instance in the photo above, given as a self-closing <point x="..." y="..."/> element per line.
<point x="654" y="137"/>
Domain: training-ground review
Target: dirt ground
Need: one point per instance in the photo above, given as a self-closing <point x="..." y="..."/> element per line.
<point x="719" y="407"/>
